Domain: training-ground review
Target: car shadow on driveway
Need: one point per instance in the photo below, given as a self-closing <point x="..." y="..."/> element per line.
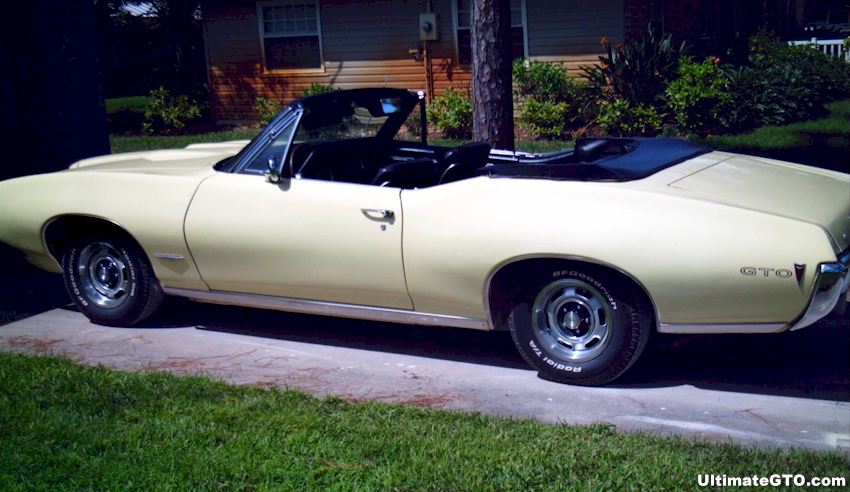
<point x="477" y="347"/>
<point x="26" y="290"/>
<point x="811" y="363"/>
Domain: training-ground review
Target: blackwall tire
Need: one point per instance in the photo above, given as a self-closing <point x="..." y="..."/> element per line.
<point x="111" y="281"/>
<point x="579" y="326"/>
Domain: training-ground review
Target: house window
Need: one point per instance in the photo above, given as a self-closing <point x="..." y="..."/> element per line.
<point x="290" y="34"/>
<point x="463" y="25"/>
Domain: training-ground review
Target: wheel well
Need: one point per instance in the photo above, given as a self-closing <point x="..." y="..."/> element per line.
<point x="510" y="283"/>
<point x="61" y="232"/>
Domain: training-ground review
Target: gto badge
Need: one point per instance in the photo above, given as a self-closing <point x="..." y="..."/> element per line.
<point x="767" y="272"/>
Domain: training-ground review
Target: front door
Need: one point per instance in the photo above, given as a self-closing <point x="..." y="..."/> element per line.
<point x="301" y="238"/>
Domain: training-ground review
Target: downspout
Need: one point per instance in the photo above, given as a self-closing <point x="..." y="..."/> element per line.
<point x="429" y="66"/>
<point x="423" y="118"/>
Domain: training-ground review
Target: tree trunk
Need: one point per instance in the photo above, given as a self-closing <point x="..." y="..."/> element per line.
<point x="51" y="104"/>
<point x="492" y="98"/>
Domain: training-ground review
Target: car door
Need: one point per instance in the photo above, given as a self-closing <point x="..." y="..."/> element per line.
<point x="299" y="238"/>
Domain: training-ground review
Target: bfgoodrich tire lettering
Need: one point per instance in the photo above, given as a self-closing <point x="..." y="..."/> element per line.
<point x="110" y="280"/>
<point x="579" y="326"/>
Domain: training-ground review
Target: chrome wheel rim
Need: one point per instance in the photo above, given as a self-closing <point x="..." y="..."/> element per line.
<point x="573" y="320"/>
<point x="104" y="275"/>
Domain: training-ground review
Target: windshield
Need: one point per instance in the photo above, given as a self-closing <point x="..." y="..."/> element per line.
<point x="345" y="121"/>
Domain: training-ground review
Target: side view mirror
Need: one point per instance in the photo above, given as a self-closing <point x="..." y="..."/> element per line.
<point x="273" y="176"/>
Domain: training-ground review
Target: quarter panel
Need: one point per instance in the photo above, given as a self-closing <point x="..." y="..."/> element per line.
<point x="149" y="207"/>
<point x="688" y="253"/>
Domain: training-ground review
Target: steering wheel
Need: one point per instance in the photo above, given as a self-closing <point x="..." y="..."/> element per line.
<point x="297" y="160"/>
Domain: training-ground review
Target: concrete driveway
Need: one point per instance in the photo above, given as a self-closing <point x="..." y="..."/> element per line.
<point x="787" y="390"/>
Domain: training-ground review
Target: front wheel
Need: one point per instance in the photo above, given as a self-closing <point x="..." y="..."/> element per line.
<point x="579" y="327"/>
<point x="111" y="280"/>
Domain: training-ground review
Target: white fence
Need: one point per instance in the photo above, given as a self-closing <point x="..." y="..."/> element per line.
<point x="832" y="47"/>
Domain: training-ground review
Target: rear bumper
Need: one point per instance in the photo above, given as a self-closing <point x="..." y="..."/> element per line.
<point x="831" y="285"/>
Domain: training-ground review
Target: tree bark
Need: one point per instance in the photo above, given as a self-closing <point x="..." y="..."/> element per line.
<point x="51" y="103"/>
<point x="492" y="98"/>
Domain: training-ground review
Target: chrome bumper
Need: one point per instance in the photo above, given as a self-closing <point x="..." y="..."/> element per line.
<point x="831" y="284"/>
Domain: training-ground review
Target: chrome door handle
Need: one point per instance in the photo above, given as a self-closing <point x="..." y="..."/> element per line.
<point x="379" y="212"/>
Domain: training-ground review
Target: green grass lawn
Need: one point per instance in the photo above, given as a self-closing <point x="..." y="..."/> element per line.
<point x="134" y="143"/>
<point x="64" y="426"/>
<point x="136" y="104"/>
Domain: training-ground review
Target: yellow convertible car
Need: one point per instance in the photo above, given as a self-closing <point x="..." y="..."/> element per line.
<point x="579" y="254"/>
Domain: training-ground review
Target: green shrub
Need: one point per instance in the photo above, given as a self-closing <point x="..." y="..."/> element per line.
<point x="700" y="96"/>
<point x="782" y="84"/>
<point x="637" y="71"/>
<point x="546" y="119"/>
<point x="553" y="102"/>
<point x="167" y="114"/>
<point x="770" y="95"/>
<point x="452" y="114"/>
<point x="828" y="77"/>
<point x="267" y="109"/>
<point x="620" y="118"/>
<point x="545" y="81"/>
<point x="317" y="89"/>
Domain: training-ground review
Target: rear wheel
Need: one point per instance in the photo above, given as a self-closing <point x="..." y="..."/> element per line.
<point x="111" y="280"/>
<point x="579" y="326"/>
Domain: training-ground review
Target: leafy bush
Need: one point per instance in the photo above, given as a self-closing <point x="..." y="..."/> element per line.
<point x="827" y="76"/>
<point x="620" y="118"/>
<point x="167" y="114"/>
<point x="554" y="102"/>
<point x="317" y="89"/>
<point x="700" y="96"/>
<point x="546" y="119"/>
<point x="770" y="95"/>
<point x="637" y="71"/>
<point x="545" y="81"/>
<point x="452" y="113"/>
<point x="783" y="84"/>
<point x="267" y="109"/>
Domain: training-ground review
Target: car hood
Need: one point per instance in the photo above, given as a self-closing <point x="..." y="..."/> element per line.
<point x="194" y="159"/>
<point x="809" y="194"/>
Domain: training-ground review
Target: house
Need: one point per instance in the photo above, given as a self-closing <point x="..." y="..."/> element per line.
<point x="277" y="48"/>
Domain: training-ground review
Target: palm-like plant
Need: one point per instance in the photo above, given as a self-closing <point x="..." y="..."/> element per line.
<point x="637" y="71"/>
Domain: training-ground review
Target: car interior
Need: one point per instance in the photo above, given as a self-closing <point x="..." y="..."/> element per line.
<point x="355" y="140"/>
<point x="403" y="165"/>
